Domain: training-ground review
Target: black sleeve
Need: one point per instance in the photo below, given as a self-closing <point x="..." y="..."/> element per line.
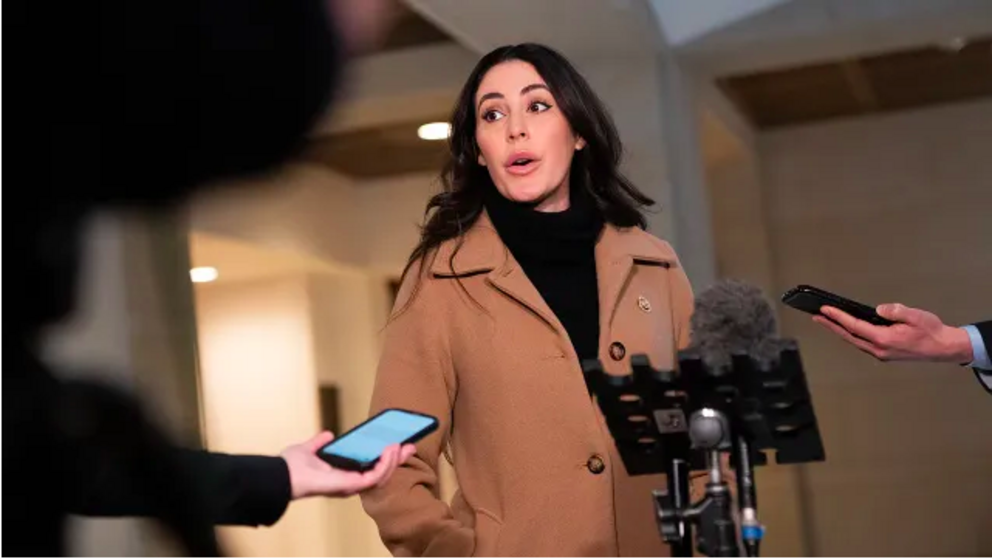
<point x="985" y="329"/>
<point x="118" y="463"/>
<point x="235" y="490"/>
<point x="244" y="490"/>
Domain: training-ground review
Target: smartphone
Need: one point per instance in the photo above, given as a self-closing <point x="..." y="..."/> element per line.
<point x="359" y="450"/>
<point x="809" y="299"/>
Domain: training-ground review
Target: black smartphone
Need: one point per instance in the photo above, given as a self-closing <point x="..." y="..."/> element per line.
<point x="359" y="449"/>
<point x="809" y="299"/>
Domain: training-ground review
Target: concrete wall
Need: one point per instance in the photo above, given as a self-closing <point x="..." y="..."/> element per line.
<point x="890" y="208"/>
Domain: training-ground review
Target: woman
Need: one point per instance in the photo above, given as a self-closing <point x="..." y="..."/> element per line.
<point x="533" y="258"/>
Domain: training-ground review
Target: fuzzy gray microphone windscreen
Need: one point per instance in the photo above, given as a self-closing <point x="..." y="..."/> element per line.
<point x="734" y="317"/>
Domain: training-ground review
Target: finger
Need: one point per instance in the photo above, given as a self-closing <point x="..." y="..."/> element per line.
<point x="855" y="326"/>
<point x="373" y="476"/>
<point x="319" y="441"/>
<point x="390" y="461"/>
<point x="407" y="452"/>
<point x="863" y="345"/>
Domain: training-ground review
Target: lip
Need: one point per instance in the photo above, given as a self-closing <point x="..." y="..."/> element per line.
<point x="520" y="170"/>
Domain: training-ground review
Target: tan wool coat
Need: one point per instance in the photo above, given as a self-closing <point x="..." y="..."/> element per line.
<point x="474" y="344"/>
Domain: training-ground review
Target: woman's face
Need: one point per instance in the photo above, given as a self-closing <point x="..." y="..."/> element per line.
<point x="524" y="139"/>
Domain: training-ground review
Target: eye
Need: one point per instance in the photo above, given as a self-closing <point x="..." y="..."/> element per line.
<point x="539" y="106"/>
<point x="492" y="115"/>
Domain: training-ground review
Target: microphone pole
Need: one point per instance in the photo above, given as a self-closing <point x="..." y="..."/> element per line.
<point x="751" y="530"/>
<point x="676" y="530"/>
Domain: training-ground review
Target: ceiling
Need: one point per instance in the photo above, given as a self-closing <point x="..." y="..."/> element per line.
<point x="864" y="85"/>
<point x="383" y="151"/>
<point x="781" y="62"/>
<point x="409" y="29"/>
<point x="239" y="261"/>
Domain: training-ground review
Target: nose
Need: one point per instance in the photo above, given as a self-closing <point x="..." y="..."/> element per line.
<point x="517" y="129"/>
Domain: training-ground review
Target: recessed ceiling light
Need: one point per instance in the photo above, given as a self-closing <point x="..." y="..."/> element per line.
<point x="203" y="274"/>
<point x="434" y="131"/>
<point x="953" y="44"/>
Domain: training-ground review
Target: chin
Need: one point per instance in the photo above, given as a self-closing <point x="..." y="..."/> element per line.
<point x="527" y="194"/>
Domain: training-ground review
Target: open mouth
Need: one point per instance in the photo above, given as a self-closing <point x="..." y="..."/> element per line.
<point x="521" y="163"/>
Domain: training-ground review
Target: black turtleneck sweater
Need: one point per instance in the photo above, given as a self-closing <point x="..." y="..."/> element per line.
<point x="557" y="253"/>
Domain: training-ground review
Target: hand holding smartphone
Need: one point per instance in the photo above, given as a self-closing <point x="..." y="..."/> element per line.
<point x="359" y="449"/>
<point x="810" y="299"/>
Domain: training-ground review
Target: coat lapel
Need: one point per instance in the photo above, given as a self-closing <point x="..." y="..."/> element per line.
<point x="613" y="271"/>
<point x="483" y="251"/>
<point x="617" y="252"/>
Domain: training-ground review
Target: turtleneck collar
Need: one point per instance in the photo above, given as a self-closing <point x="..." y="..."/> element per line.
<point x="534" y="236"/>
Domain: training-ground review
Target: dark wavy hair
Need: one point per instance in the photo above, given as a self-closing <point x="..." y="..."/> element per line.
<point x="595" y="168"/>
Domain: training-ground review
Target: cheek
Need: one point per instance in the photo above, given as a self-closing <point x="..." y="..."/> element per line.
<point x="560" y="138"/>
<point x="488" y="147"/>
<point x="561" y="146"/>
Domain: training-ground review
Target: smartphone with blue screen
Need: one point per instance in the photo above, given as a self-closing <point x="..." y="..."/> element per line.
<point x="359" y="450"/>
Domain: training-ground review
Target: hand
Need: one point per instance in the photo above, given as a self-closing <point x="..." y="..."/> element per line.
<point x="918" y="335"/>
<point x="309" y="475"/>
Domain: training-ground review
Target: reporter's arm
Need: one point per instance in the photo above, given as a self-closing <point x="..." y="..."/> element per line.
<point x="918" y="335"/>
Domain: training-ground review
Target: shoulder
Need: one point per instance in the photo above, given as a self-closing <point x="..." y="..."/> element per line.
<point x="418" y="283"/>
<point x="639" y="244"/>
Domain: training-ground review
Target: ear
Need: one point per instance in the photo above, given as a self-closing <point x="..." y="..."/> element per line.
<point x="579" y="144"/>
<point x="482" y="160"/>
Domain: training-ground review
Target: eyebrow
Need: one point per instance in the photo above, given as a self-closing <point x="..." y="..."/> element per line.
<point x="524" y="91"/>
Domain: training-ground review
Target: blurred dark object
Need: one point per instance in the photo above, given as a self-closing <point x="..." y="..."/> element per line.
<point x="138" y="104"/>
<point x="330" y="408"/>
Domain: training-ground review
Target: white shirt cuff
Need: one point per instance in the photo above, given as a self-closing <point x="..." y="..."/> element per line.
<point x="980" y="353"/>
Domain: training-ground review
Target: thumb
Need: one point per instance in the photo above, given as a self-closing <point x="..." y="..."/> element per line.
<point x="319" y="441"/>
<point x="895" y="312"/>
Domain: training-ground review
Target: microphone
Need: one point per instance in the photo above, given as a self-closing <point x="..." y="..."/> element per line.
<point x="738" y="388"/>
<point x="733" y="319"/>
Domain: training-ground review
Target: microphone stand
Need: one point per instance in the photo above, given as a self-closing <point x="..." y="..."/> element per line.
<point x="709" y="431"/>
<point x="767" y="409"/>
<point x="675" y="531"/>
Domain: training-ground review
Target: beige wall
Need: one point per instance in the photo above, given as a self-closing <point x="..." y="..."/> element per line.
<point x="347" y="314"/>
<point x="259" y="383"/>
<point x="309" y="209"/>
<point x="890" y="208"/>
<point x="392" y="211"/>
<point x="330" y="311"/>
<point x="301" y="207"/>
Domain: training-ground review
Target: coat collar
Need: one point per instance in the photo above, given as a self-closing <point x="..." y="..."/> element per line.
<point x="481" y="251"/>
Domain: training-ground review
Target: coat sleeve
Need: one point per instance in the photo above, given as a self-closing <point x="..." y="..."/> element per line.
<point x="238" y="490"/>
<point x="416" y="372"/>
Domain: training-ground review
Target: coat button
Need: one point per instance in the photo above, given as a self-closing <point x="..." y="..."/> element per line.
<point x="617" y="351"/>
<point x="596" y="464"/>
